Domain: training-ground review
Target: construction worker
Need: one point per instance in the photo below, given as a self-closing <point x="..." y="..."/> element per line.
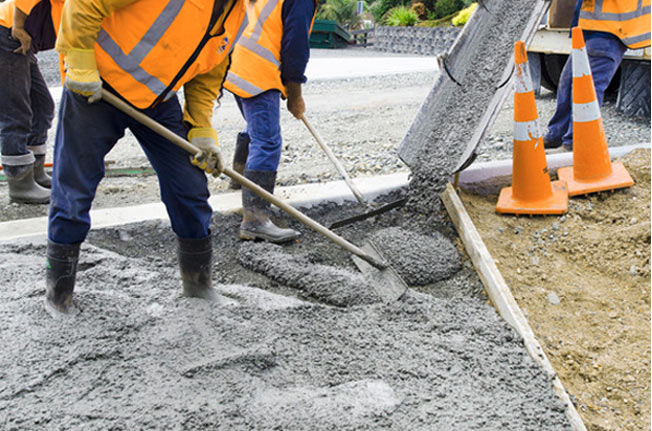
<point x="143" y="51"/>
<point x="609" y="28"/>
<point x="269" y="62"/>
<point x="26" y="26"/>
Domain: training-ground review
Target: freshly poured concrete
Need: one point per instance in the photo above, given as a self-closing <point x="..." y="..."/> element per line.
<point x="281" y="356"/>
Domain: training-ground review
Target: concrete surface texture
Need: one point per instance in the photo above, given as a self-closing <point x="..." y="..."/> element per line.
<point x="478" y="70"/>
<point x="139" y="356"/>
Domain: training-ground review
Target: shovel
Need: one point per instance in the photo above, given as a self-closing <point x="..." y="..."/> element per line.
<point x="352" y="186"/>
<point x="388" y="284"/>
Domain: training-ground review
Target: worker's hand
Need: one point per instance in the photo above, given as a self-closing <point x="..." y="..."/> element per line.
<point x="82" y="76"/>
<point x="24" y="38"/>
<point x="296" y="104"/>
<point x="208" y="158"/>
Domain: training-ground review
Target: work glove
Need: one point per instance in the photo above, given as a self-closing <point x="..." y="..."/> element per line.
<point x="208" y="158"/>
<point x="82" y="76"/>
<point x="295" y="104"/>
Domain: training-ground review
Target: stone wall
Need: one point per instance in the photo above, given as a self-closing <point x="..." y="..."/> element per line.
<point x="415" y="40"/>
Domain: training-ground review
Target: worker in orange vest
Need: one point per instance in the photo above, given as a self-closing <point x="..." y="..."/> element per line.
<point x="143" y="51"/>
<point x="609" y="28"/>
<point x="269" y="62"/>
<point x="26" y="27"/>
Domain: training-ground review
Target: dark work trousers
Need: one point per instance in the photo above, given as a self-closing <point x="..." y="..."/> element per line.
<point x="26" y="107"/>
<point x="263" y="116"/>
<point x="86" y="133"/>
<point x="605" y="53"/>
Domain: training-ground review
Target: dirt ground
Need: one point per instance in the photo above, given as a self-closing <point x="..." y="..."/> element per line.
<point x="583" y="281"/>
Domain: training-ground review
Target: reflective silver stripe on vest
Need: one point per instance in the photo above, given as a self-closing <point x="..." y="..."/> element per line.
<point x="242" y="84"/>
<point x="597" y="13"/>
<point x="264" y="14"/>
<point x="259" y="50"/>
<point x="131" y="63"/>
<point x="636" y="39"/>
<point x="243" y="26"/>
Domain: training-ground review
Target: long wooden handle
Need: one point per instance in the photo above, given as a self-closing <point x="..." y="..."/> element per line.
<point x="334" y="160"/>
<point x="177" y="140"/>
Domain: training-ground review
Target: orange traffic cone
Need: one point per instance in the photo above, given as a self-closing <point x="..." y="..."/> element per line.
<point x="531" y="191"/>
<point x="592" y="170"/>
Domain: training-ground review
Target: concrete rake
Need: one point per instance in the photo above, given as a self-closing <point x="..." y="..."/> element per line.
<point x="386" y="281"/>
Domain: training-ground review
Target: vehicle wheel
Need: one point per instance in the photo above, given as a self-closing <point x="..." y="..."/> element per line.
<point x="551" y="67"/>
<point x="634" y="89"/>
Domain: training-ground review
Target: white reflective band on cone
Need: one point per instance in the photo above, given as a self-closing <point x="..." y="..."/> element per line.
<point x="585" y="112"/>
<point x="523" y="81"/>
<point x="581" y="65"/>
<point x="527" y="130"/>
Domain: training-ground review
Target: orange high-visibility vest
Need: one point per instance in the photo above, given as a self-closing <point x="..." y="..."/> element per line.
<point x="256" y="61"/>
<point x="627" y="19"/>
<point x="147" y="50"/>
<point x="26" y="6"/>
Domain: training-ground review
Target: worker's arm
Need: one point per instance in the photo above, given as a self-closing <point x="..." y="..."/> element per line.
<point x="80" y="24"/>
<point x="295" y="50"/>
<point x="200" y="93"/>
<point x="18" y="31"/>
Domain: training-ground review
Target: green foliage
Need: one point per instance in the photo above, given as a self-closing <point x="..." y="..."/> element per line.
<point x="463" y="16"/>
<point x="401" y="16"/>
<point x="380" y="7"/>
<point x="342" y="11"/>
<point x="447" y="7"/>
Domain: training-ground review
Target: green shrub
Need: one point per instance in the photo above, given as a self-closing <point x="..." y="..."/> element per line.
<point x="401" y="16"/>
<point x="463" y="16"/>
<point x="342" y="11"/>
<point x="447" y="7"/>
<point x="380" y="7"/>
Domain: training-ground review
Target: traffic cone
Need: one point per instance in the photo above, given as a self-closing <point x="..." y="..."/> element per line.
<point x="592" y="169"/>
<point x="531" y="191"/>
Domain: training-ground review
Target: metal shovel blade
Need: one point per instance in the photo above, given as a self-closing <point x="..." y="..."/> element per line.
<point x="386" y="282"/>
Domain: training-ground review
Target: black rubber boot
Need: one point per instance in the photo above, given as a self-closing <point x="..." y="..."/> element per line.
<point x="256" y="223"/>
<point x="60" y="277"/>
<point x="195" y="263"/>
<point x="22" y="187"/>
<point x="41" y="178"/>
<point x="240" y="157"/>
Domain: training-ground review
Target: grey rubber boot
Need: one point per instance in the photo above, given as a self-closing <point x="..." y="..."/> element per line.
<point x="256" y="223"/>
<point x="195" y="264"/>
<point x="240" y="157"/>
<point x="60" y="277"/>
<point x="41" y="178"/>
<point x="23" y="188"/>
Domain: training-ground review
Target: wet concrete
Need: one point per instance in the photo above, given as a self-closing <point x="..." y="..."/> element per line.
<point x="419" y="259"/>
<point x="459" y="109"/>
<point x="280" y="357"/>
<point x="325" y="283"/>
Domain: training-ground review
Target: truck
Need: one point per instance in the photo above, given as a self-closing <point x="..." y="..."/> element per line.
<point x="551" y="46"/>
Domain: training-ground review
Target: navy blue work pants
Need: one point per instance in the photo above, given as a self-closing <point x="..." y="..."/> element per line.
<point x="263" y="116"/>
<point x="26" y="107"/>
<point x="605" y="55"/>
<point x="86" y="133"/>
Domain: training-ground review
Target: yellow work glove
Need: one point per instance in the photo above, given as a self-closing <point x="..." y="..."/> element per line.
<point x="82" y="76"/>
<point x="208" y="158"/>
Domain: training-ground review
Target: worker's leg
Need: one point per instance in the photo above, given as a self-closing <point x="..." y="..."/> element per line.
<point x="16" y="121"/>
<point x="85" y="134"/>
<point x="561" y="119"/>
<point x="43" y="114"/>
<point x="605" y="55"/>
<point x="184" y="191"/>
<point x="241" y="151"/>
<point x="262" y="114"/>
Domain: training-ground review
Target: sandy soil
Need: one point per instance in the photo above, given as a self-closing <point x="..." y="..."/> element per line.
<point x="584" y="282"/>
